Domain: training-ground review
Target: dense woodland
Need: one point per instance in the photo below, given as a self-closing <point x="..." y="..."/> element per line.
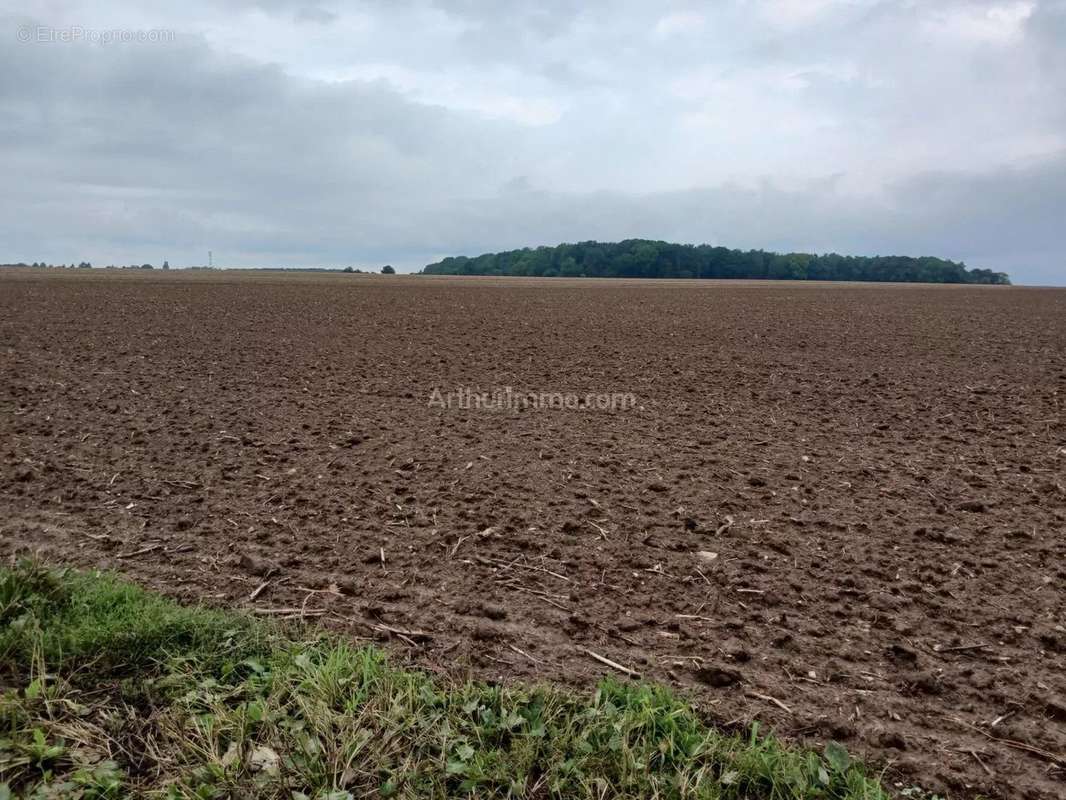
<point x="642" y="258"/>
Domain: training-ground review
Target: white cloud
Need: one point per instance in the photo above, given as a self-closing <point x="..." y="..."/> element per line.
<point x="998" y="24"/>
<point x="680" y="23"/>
<point x="796" y="12"/>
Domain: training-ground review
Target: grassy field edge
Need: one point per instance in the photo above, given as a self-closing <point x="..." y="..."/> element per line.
<point x="107" y="690"/>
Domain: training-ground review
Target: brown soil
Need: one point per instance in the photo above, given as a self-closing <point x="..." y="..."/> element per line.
<point x="880" y="470"/>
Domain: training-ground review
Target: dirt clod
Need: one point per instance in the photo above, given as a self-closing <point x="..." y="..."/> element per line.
<point x="255" y="565"/>
<point x="718" y="677"/>
<point x="493" y="611"/>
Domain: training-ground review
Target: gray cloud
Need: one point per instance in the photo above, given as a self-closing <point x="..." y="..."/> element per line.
<point x="315" y="15"/>
<point x="289" y="133"/>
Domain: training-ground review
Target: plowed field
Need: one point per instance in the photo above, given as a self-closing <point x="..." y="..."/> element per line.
<point x="839" y="509"/>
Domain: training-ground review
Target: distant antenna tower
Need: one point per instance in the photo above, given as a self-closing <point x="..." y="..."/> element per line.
<point x="210" y="260"/>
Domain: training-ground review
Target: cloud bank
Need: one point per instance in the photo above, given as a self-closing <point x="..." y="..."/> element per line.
<point x="281" y="133"/>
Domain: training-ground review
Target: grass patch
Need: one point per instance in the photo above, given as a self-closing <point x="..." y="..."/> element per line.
<point x="109" y="691"/>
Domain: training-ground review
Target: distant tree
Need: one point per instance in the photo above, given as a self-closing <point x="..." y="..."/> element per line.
<point x="147" y="266"/>
<point x="569" y="268"/>
<point x="641" y="258"/>
<point x="166" y="265"/>
<point x="349" y="269"/>
<point x="388" y="270"/>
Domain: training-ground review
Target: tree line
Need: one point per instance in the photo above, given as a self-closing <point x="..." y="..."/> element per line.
<point x="80" y="265"/>
<point x="643" y="258"/>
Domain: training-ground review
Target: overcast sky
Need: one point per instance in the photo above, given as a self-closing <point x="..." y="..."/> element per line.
<point x="281" y="133"/>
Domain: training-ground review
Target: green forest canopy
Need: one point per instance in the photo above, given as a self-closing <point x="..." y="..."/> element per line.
<point x="643" y="258"/>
